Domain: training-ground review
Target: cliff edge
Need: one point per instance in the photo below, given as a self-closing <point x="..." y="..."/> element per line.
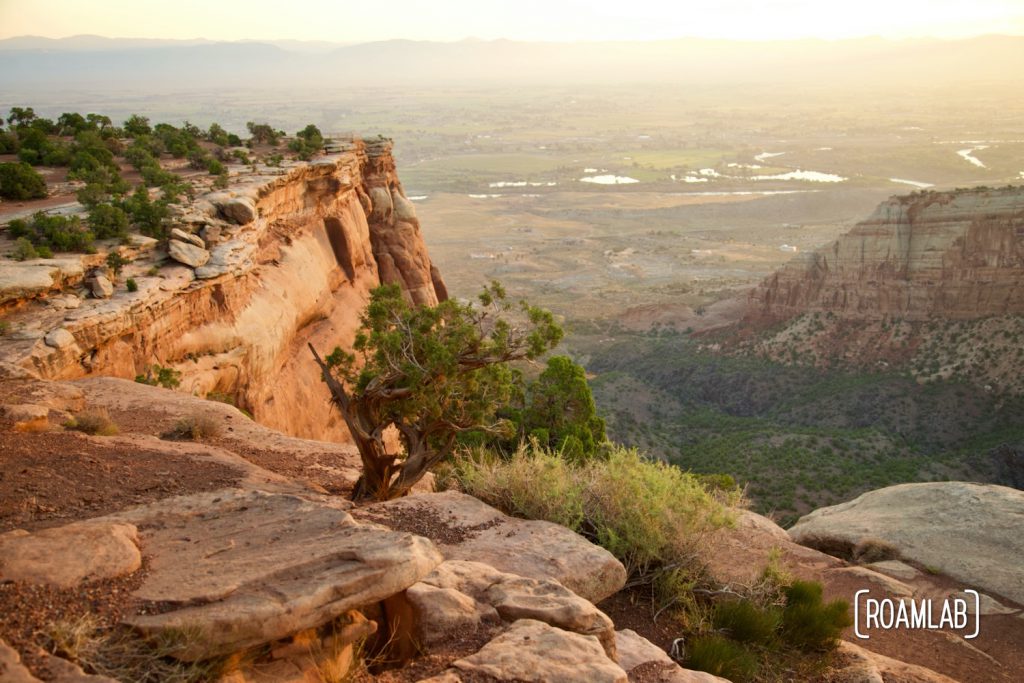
<point x="251" y="274"/>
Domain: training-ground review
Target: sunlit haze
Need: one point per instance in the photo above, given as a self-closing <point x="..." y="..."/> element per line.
<point x="544" y="20"/>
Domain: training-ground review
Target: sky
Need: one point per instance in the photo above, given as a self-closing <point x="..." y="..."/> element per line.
<point x="546" y="20"/>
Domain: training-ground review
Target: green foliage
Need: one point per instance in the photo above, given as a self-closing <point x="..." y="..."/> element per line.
<point x="149" y="216"/>
<point x="116" y="262"/>
<point x="745" y="622"/>
<point x="721" y="657"/>
<point x="101" y="185"/>
<point x="58" y="233"/>
<point x="23" y="250"/>
<point x="652" y="516"/>
<point x="432" y="372"/>
<point x="131" y="284"/>
<point x="108" y="221"/>
<point x="808" y="623"/>
<point x="19" y="180"/>
<point x="137" y="125"/>
<point x="262" y="133"/>
<point x="158" y="375"/>
<point x="307" y="142"/>
<point x="217" y="135"/>
<point x="560" y="410"/>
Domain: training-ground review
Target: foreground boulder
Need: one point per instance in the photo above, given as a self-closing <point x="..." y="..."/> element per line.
<point x="534" y="651"/>
<point x="245" y="568"/>
<point x="465" y="597"/>
<point x="68" y="555"/>
<point x="465" y="528"/>
<point x="970" y="532"/>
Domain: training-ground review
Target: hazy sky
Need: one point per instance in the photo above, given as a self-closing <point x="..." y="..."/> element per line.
<point x="346" y="21"/>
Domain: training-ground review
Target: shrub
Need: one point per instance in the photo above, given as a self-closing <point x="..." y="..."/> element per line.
<point x="721" y="657"/>
<point x="652" y="516"/>
<point x="116" y="262"/>
<point x="137" y="125"/>
<point x="96" y="422"/>
<point x="131" y="284"/>
<point x="874" y="550"/>
<point x="158" y="375"/>
<point x="745" y="622"/>
<point x="19" y="181"/>
<point x="560" y="410"/>
<point x="23" y="250"/>
<point x="108" y="221"/>
<point x="195" y="428"/>
<point x="59" y="233"/>
<point x="808" y="623"/>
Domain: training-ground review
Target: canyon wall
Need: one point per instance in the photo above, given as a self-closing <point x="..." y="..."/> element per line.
<point x="954" y="255"/>
<point x="293" y="256"/>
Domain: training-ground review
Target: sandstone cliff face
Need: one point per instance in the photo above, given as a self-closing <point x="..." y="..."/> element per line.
<point x="956" y="255"/>
<point x="292" y="260"/>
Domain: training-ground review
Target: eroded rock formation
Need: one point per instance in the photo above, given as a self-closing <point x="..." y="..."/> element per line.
<point x="957" y="255"/>
<point x="287" y="259"/>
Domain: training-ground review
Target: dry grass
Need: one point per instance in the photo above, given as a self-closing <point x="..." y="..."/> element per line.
<point x="120" y="654"/>
<point x="195" y="428"/>
<point x="870" y="550"/>
<point x="95" y="422"/>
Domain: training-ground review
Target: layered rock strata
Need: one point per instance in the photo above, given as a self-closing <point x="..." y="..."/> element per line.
<point x="287" y="258"/>
<point x="956" y="255"/>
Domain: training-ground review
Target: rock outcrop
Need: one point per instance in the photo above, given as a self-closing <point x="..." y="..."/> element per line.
<point x="957" y="255"/>
<point x="970" y="532"/>
<point x="69" y="555"/>
<point x="297" y="252"/>
<point x="465" y="528"/>
<point x="532" y="650"/>
<point x="249" y="568"/>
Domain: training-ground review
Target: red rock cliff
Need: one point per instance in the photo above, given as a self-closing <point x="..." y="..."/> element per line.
<point x="291" y="260"/>
<point x="957" y="255"/>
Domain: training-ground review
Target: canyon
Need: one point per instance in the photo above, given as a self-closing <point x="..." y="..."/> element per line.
<point x="242" y="535"/>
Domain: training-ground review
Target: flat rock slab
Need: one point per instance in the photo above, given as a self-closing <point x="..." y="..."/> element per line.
<point x="864" y="666"/>
<point x="68" y="555"/>
<point x="534" y="651"/>
<point x="465" y="528"/>
<point x="246" y="568"/>
<point x="971" y="532"/>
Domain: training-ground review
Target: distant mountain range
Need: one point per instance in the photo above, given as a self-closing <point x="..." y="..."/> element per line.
<point x="30" y="61"/>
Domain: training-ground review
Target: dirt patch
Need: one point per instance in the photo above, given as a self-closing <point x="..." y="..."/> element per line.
<point x="325" y="469"/>
<point x="426" y="666"/>
<point x="634" y="610"/>
<point x="424" y="521"/>
<point x="50" y="478"/>
<point x="27" y="610"/>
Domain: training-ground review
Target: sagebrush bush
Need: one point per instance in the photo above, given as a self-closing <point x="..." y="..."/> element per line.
<point x="652" y="516"/>
<point x="95" y="422"/>
<point x="721" y="657"/>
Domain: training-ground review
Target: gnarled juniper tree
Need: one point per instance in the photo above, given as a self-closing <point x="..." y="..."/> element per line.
<point x="431" y="373"/>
